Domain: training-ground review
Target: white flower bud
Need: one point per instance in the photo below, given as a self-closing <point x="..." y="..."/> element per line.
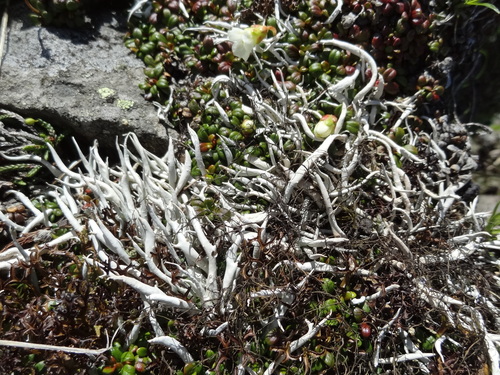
<point x="325" y="126"/>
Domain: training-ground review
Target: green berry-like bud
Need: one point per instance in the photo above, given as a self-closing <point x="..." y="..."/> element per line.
<point x="247" y="127"/>
<point x="30" y="121"/>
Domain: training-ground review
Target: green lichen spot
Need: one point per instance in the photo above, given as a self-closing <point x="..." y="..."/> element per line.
<point x="106" y="92"/>
<point x="124" y="104"/>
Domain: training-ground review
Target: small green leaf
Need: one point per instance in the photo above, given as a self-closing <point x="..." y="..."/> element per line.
<point x="332" y="322"/>
<point x="127" y="370"/>
<point x="108" y="370"/>
<point x="329" y="305"/>
<point x="328" y="285"/>
<point x="127" y="357"/>
<point x="487" y="5"/>
<point x="209" y="354"/>
<point x="366" y="308"/>
<point x="40" y="366"/>
<point x="142" y="351"/>
<point x="349" y="295"/>
<point x="428" y="344"/>
<point x="116" y="351"/>
<point x="493" y="224"/>
<point x="412" y="149"/>
<point x="193" y="368"/>
<point x="329" y="359"/>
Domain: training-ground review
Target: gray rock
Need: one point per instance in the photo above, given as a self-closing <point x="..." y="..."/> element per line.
<point x="487" y="203"/>
<point x="487" y="146"/>
<point x="82" y="80"/>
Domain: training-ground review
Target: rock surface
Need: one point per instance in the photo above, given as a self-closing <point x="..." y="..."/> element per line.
<point x="487" y="147"/>
<point x="83" y="80"/>
<point x="487" y="203"/>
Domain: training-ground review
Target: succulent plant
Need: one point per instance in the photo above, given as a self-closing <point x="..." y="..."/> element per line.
<point x="67" y="13"/>
<point x="127" y="362"/>
<point x="45" y="134"/>
<point x="57" y="12"/>
<point x="178" y="52"/>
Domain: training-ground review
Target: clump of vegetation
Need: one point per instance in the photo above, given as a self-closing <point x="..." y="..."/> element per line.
<point x="493" y="224"/>
<point x="41" y="133"/>
<point x="57" y="12"/>
<point x="68" y="13"/>
<point x="54" y="297"/>
<point x="127" y="362"/>
<point x="306" y="218"/>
